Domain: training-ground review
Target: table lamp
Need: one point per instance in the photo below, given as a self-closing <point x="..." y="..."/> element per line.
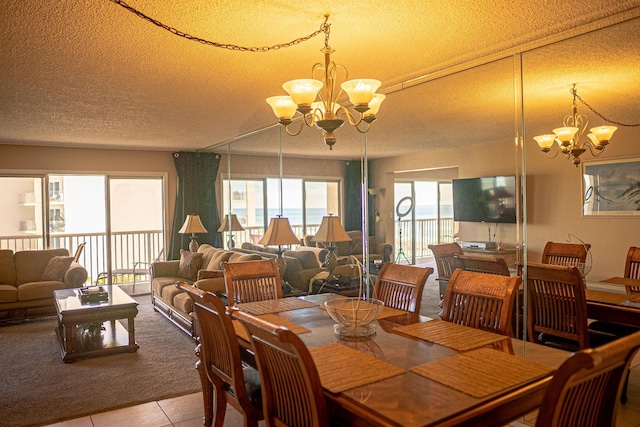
<point x="279" y="233"/>
<point x="193" y="225"/>
<point x="235" y="226"/>
<point x="331" y="231"/>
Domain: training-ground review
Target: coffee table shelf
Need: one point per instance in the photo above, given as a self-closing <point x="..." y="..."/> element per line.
<point x="110" y="337"/>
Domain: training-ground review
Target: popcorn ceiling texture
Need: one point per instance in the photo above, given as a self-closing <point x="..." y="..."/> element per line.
<point x="90" y="73"/>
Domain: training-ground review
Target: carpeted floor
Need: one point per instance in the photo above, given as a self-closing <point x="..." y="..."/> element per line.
<point x="37" y="388"/>
<point x="431" y="294"/>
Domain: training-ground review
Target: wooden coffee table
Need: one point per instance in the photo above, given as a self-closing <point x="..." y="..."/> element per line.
<point x="92" y="329"/>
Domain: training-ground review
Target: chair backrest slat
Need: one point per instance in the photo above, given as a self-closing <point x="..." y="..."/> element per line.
<point x="251" y="281"/>
<point x="220" y="356"/>
<point x="487" y="265"/>
<point x="632" y="267"/>
<point x="556" y="303"/>
<point x="291" y="388"/>
<point x="585" y="391"/>
<point x="446" y="263"/>
<point x="565" y="253"/>
<point x="480" y="300"/>
<point x="400" y="286"/>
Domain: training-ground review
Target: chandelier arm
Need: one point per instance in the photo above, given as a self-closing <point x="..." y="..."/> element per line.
<point x="352" y="121"/>
<point x="310" y="118"/>
<point x="557" y="151"/>
<point x="595" y="152"/>
<point x="367" y="126"/>
<point x="575" y="94"/>
<point x="295" y="133"/>
<point x="324" y="28"/>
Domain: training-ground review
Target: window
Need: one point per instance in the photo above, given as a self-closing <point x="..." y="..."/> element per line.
<point x="304" y="203"/>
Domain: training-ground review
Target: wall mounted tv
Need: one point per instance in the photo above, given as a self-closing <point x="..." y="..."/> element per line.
<point x="486" y="199"/>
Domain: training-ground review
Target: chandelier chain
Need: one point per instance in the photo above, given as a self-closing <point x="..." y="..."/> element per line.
<point x="324" y="28"/>
<point x="575" y="94"/>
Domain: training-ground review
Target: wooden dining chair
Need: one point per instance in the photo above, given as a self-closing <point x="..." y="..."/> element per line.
<point x="586" y="389"/>
<point x="632" y="268"/>
<point x="483" y="264"/>
<point x="446" y="262"/>
<point x="565" y="253"/>
<point x="480" y="300"/>
<point x="400" y="286"/>
<point x="632" y="271"/>
<point x="79" y="249"/>
<point x="223" y="377"/>
<point x="251" y="281"/>
<point x="557" y="308"/>
<point x="291" y="390"/>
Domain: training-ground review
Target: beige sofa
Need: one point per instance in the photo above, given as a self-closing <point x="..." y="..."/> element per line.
<point x="174" y="303"/>
<point x="302" y="263"/>
<point x="28" y="279"/>
<point x="377" y="250"/>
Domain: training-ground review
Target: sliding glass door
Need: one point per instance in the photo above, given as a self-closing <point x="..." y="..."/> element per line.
<point x="136" y="230"/>
<point x="120" y="224"/>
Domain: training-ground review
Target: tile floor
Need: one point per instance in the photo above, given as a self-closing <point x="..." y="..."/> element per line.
<point x="187" y="411"/>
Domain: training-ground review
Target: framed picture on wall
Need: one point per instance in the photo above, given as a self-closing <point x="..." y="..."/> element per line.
<point x="611" y="187"/>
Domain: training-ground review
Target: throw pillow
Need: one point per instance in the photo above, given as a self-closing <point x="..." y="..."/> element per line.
<point x="189" y="264"/>
<point x="210" y="274"/>
<point x="55" y="269"/>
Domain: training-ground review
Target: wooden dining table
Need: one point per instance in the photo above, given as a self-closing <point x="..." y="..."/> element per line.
<point x="610" y="301"/>
<point x="398" y="378"/>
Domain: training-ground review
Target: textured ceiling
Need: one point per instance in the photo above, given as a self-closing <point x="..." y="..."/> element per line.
<point x="90" y="73"/>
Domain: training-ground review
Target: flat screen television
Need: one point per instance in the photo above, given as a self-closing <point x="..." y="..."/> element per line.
<point x="486" y="199"/>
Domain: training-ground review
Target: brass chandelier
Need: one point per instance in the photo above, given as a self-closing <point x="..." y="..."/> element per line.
<point x="568" y="137"/>
<point x="316" y="99"/>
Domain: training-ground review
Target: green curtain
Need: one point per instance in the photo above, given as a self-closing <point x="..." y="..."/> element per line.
<point x="353" y="198"/>
<point x="196" y="195"/>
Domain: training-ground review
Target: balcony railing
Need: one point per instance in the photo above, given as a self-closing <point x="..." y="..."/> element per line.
<point x="426" y="234"/>
<point x="128" y="248"/>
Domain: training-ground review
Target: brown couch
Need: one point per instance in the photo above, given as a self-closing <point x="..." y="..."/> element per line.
<point x="28" y="279"/>
<point x="175" y="304"/>
<point x="377" y="250"/>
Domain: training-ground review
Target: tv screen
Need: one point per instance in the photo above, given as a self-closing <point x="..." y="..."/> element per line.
<point x="486" y="199"/>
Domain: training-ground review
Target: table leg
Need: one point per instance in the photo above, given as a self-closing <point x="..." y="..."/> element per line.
<point x="70" y="334"/>
<point x="132" y="333"/>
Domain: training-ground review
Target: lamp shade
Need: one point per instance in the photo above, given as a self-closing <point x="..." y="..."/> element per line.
<point x="283" y="106"/>
<point x="374" y="104"/>
<point x="303" y="91"/>
<point x="192" y="225"/>
<point x="361" y="91"/>
<point x="279" y="233"/>
<point x="565" y="134"/>
<point x="235" y="224"/>
<point x="331" y="231"/>
<point x="545" y="141"/>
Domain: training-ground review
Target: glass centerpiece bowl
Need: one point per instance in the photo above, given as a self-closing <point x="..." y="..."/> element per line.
<point x="354" y="315"/>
